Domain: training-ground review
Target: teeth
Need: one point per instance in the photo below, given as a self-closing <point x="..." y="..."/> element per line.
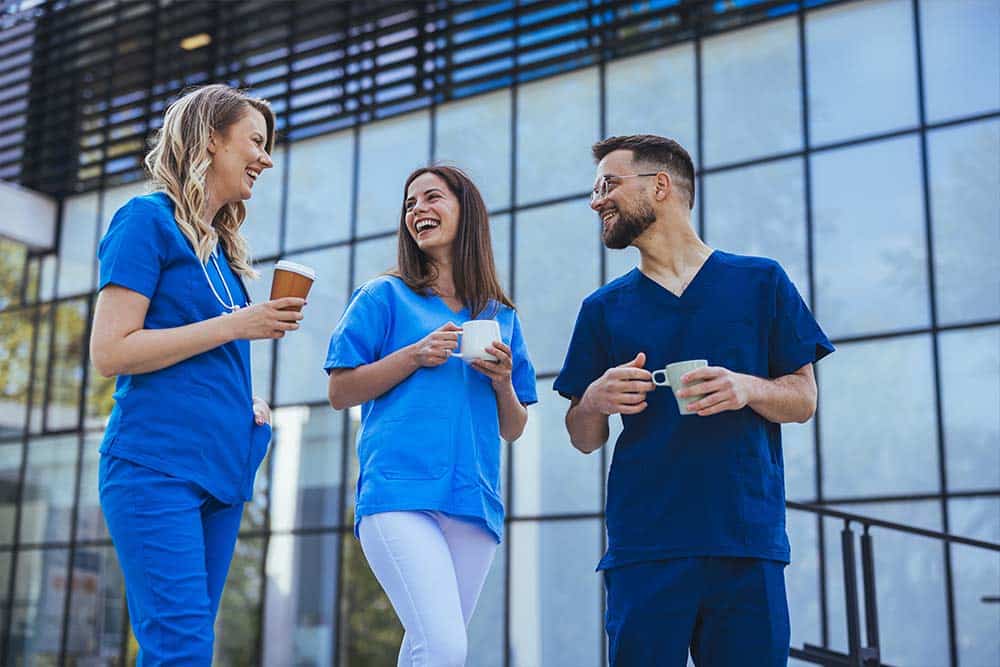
<point x="421" y="225"/>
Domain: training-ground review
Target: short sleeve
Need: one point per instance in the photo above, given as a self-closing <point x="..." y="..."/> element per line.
<point x="359" y="336"/>
<point x="587" y="357"/>
<point x="133" y="249"/>
<point x="523" y="373"/>
<point x="796" y="339"/>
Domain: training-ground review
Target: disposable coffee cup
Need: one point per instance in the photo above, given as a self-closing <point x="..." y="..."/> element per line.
<point x="291" y="279"/>
<point x="476" y="336"/>
<point x="672" y="375"/>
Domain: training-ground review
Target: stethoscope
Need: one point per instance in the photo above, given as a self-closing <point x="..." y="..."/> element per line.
<point x="232" y="306"/>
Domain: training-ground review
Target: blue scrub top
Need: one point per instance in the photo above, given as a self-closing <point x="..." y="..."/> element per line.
<point x="684" y="486"/>
<point x="432" y="442"/>
<point x="194" y="419"/>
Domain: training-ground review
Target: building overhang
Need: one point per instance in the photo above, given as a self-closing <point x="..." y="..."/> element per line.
<point x="27" y="217"/>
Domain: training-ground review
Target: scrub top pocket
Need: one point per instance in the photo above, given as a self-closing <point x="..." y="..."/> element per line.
<point x="419" y="447"/>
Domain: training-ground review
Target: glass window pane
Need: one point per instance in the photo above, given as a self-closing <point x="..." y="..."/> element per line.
<point x="556" y="163"/>
<point x="299" y="610"/>
<point x="263" y="219"/>
<point x="475" y="136"/>
<point x="90" y="523"/>
<point x="965" y="208"/>
<point x="878" y="437"/>
<point x="909" y="573"/>
<point x="43" y="346"/>
<point x="100" y="398"/>
<point x="390" y="150"/>
<point x="306" y="467"/>
<point x="370" y="632"/>
<point x="970" y="388"/>
<point x="39" y="601"/>
<point x="47" y="279"/>
<point x="861" y="51"/>
<point x="16" y="339"/>
<point x="49" y="482"/>
<point x="558" y="248"/>
<point x="5" y="565"/>
<point x="237" y="627"/>
<point x="760" y="211"/>
<point x="78" y="244"/>
<point x="976" y="574"/>
<point x="10" y="479"/>
<point x="114" y="198"/>
<point x="301" y="353"/>
<point x="799" y="452"/>
<point x="500" y="239"/>
<point x="961" y="57"/>
<point x="871" y="259"/>
<point x="556" y="615"/>
<point x="802" y="579"/>
<point x="752" y="73"/>
<point x="320" y="187"/>
<point x="654" y="94"/>
<point x="485" y="632"/>
<point x="550" y="475"/>
<point x="94" y="634"/>
<point x="261" y="351"/>
<point x="13" y="287"/>
<point x="67" y="365"/>
<point x="373" y="258"/>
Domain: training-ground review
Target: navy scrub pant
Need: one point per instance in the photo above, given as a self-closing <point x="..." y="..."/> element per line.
<point x="729" y="612"/>
<point x="174" y="543"/>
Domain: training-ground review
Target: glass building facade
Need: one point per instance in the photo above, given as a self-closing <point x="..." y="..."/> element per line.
<point x="858" y="143"/>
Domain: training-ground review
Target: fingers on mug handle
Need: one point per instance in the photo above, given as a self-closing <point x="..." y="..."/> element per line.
<point x="666" y="379"/>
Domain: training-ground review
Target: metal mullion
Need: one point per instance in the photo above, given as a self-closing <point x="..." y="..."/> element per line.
<point x="602" y="259"/>
<point x="909" y="497"/>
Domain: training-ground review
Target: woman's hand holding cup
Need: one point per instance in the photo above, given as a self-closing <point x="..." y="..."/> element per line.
<point x="498" y="371"/>
<point x="436" y="347"/>
<point x="270" y="319"/>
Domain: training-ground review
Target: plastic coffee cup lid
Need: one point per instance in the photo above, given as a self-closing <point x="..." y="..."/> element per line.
<point x="300" y="269"/>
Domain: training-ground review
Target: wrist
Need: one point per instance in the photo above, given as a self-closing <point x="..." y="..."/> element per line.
<point x="504" y="387"/>
<point x="229" y="328"/>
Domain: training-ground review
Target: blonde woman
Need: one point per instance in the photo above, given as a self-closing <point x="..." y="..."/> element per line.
<point x="173" y="322"/>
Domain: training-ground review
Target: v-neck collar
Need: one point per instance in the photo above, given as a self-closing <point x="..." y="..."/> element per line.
<point x="693" y="286"/>
<point x="437" y="297"/>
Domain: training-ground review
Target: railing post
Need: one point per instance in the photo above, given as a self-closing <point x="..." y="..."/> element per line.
<point x="871" y="602"/>
<point x="851" y="596"/>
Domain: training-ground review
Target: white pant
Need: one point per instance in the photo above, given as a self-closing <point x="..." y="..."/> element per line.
<point x="432" y="566"/>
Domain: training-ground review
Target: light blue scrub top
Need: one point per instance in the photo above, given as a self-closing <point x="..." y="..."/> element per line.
<point x="193" y="420"/>
<point x="432" y="442"/>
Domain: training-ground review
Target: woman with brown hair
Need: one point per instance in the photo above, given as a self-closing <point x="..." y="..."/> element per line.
<point x="429" y="513"/>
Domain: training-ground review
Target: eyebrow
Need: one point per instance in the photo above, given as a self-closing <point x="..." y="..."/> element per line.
<point x="426" y="192"/>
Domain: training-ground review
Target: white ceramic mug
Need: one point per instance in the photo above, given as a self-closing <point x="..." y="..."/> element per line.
<point x="476" y="336"/>
<point x="672" y="378"/>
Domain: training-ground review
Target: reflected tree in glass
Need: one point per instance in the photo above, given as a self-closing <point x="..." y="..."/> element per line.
<point x="372" y="633"/>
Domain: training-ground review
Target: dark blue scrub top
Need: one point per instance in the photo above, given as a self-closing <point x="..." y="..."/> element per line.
<point x="192" y="420"/>
<point x="683" y="486"/>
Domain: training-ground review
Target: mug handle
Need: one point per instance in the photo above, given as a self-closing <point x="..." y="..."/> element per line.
<point x="458" y="353"/>
<point x="666" y="378"/>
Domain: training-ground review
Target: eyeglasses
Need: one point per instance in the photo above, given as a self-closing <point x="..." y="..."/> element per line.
<point x="609" y="182"/>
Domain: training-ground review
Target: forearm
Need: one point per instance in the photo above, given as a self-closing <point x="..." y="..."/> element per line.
<point x="588" y="429"/>
<point x="511" y="413"/>
<point x="354" y="386"/>
<point x="149" y="350"/>
<point x="789" y="398"/>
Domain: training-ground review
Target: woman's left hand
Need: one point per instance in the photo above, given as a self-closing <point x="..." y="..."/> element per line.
<point x="497" y="371"/>
<point x="261" y="411"/>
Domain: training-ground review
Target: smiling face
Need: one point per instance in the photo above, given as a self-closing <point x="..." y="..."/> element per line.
<point x="625" y="210"/>
<point x="239" y="155"/>
<point x="432" y="212"/>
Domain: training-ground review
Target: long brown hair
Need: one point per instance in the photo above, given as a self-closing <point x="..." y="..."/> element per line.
<point x="473" y="270"/>
<point x="179" y="161"/>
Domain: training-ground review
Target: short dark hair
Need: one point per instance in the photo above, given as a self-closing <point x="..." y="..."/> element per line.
<point x="665" y="154"/>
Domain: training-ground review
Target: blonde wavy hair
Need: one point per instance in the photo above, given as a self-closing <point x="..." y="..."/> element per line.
<point x="178" y="163"/>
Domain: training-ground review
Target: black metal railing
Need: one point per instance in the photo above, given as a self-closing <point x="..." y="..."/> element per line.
<point x="867" y="654"/>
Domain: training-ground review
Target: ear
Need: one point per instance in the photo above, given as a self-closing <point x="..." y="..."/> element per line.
<point x="212" y="147"/>
<point x="663" y="186"/>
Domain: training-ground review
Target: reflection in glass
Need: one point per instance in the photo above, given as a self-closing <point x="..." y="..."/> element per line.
<point x="878" y="437"/>
<point x="390" y="150"/>
<point x="49" y="481"/>
<point x="370" y="632"/>
<point x="16" y="338"/>
<point x="94" y="634"/>
<point x="10" y="479"/>
<point x="802" y="579"/>
<point x="263" y="220"/>
<point x="555" y="596"/>
<point x="970" y="394"/>
<point x="261" y="351"/>
<point x="320" y="186"/>
<point x="752" y="73"/>
<point x="910" y="584"/>
<point x="475" y="136"/>
<point x="864" y="52"/>
<point x="871" y="259"/>
<point x="976" y="573"/>
<point x="39" y="599"/>
<point x="90" y="523"/>
<point x="799" y="454"/>
<point x="43" y="346"/>
<point x="13" y="257"/>
<point x="77" y="244"/>
<point x="100" y="398"/>
<point x="552" y="279"/>
<point x="965" y="208"/>
<point x="654" y="94"/>
<point x="555" y="164"/>
<point x="961" y="58"/>
<point x="550" y="475"/>
<point x="485" y="632"/>
<point x="67" y="365"/>
<point x="299" y="613"/>
<point x="237" y="626"/>
<point x="301" y="352"/>
<point x="306" y="467"/>
<point x="760" y="211"/>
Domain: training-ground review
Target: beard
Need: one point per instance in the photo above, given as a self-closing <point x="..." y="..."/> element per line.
<point x="628" y="226"/>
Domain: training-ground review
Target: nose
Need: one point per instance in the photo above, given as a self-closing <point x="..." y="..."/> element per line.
<point x="595" y="201"/>
<point x="265" y="160"/>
